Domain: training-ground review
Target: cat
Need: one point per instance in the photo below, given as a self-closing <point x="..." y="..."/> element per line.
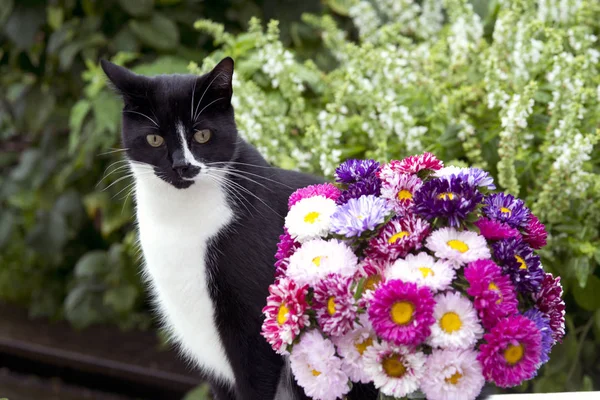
<point x="209" y="211"/>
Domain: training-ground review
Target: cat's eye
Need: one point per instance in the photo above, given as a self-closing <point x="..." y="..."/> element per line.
<point x="155" y="140"/>
<point x="202" y="136"/>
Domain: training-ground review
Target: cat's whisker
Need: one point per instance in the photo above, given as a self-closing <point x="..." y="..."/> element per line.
<point x="208" y="105"/>
<point x="255" y="196"/>
<point x="202" y="97"/>
<point x="112" y="152"/>
<point x="230" y="190"/>
<point x="106" y="175"/>
<point x="143" y="115"/>
<point x="235" y="174"/>
<point x="193" y="92"/>
<point x="240" y="163"/>
<point x="263" y="177"/>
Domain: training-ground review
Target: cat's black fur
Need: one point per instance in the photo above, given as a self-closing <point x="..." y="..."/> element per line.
<point x="241" y="258"/>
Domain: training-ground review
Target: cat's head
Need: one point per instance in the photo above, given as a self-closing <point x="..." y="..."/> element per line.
<point x="178" y="124"/>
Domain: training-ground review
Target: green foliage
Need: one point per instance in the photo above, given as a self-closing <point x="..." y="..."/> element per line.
<point x="511" y="86"/>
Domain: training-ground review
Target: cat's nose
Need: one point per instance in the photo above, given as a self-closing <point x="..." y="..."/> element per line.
<point x="186" y="171"/>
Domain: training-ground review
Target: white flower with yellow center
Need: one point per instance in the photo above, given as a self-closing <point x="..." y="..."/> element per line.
<point x="352" y="346"/>
<point x="310" y="218"/>
<point x="395" y="370"/>
<point x="452" y="375"/>
<point x="458" y="247"/>
<point x="423" y="270"/>
<point x="316" y="259"/>
<point x="456" y="324"/>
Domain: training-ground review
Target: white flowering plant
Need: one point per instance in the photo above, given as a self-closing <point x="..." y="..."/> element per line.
<point x="511" y="86"/>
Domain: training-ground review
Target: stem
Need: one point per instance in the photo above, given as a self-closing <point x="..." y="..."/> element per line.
<point x="580" y="347"/>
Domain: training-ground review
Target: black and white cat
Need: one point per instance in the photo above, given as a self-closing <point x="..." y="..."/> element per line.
<point x="209" y="211"/>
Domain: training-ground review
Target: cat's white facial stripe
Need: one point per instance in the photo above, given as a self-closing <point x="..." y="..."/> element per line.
<point x="189" y="157"/>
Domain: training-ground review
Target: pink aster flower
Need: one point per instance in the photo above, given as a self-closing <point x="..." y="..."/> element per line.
<point x="399" y="190"/>
<point x="496" y="230"/>
<point x="335" y="305"/>
<point x="372" y="270"/>
<point x="402" y="313"/>
<point x="284" y="314"/>
<point x="550" y="302"/>
<point x="494" y="293"/>
<point x="453" y="375"/>
<point x="535" y="233"/>
<point x="398" y="237"/>
<point x="317" y="369"/>
<point x="414" y="164"/>
<point x="512" y="351"/>
<point x="326" y="190"/>
<point x="285" y="248"/>
<point x="352" y="346"/>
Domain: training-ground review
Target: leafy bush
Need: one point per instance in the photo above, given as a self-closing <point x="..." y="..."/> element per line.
<point x="508" y="85"/>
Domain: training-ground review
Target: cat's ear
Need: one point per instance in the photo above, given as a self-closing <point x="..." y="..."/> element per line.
<point x="219" y="80"/>
<point x="128" y="84"/>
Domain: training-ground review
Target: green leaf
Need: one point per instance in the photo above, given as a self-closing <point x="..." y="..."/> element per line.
<point x="581" y="266"/>
<point x="78" y="114"/>
<point x="158" y="32"/>
<point x="121" y="299"/>
<point x="23" y="24"/>
<point x="137" y="8"/>
<point x="340" y="7"/>
<point x="163" y="65"/>
<point x="6" y="7"/>
<point x="92" y="264"/>
<point x="587" y="385"/>
<point x="107" y="112"/>
<point x="55" y="17"/>
<point x="202" y="392"/>
<point x="588" y="298"/>
<point x="7" y="222"/>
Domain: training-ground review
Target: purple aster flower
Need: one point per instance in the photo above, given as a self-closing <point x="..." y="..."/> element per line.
<point x="370" y="185"/>
<point x="285" y="248"/>
<point x="359" y="215"/>
<point x="520" y="262"/>
<point x="478" y="177"/>
<point x="402" y="313"/>
<point x="326" y="190"/>
<point x="543" y="324"/>
<point x="535" y="232"/>
<point x="351" y="171"/>
<point x="496" y="230"/>
<point x="494" y="295"/>
<point x="549" y="301"/>
<point x="512" y="352"/>
<point x="335" y="305"/>
<point x="450" y="198"/>
<point x="506" y="208"/>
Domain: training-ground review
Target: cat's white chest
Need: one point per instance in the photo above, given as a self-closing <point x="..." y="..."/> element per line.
<point x="175" y="227"/>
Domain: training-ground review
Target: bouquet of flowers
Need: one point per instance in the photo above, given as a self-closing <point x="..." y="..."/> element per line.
<point x="416" y="277"/>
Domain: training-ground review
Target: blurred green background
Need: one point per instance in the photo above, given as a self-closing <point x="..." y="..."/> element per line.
<point x="508" y="85"/>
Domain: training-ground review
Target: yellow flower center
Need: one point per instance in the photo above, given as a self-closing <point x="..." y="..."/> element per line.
<point x="493" y="286"/>
<point x="362" y="346"/>
<point x="458" y="245"/>
<point x="450" y="322"/>
<point x="454" y="378"/>
<point x="282" y="315"/>
<point x="402" y="312"/>
<point x="393" y="366"/>
<point x="317" y="261"/>
<point x="522" y="264"/>
<point x="372" y="281"/>
<point x="315" y="372"/>
<point x="513" y="354"/>
<point x="404" y="195"/>
<point x="506" y="210"/>
<point x="397" y="236"/>
<point x="331" y="305"/>
<point x="446" y="196"/>
<point x="311" y="217"/>
<point x="426" y="271"/>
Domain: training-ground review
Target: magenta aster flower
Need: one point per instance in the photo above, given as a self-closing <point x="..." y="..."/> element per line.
<point x="285" y="248"/>
<point x="495" y="296"/>
<point x="368" y="186"/>
<point x="399" y="190"/>
<point x="334" y="304"/>
<point x="359" y="215"/>
<point x="414" y="164"/>
<point x="543" y="325"/>
<point x="399" y="236"/>
<point x="506" y="208"/>
<point x="496" y="230"/>
<point x="451" y="198"/>
<point x="512" y="351"/>
<point x="326" y="190"/>
<point x="402" y="313"/>
<point x="520" y="262"/>
<point x="284" y="314"/>
<point x="549" y="301"/>
<point x="351" y="171"/>
<point x="535" y="233"/>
